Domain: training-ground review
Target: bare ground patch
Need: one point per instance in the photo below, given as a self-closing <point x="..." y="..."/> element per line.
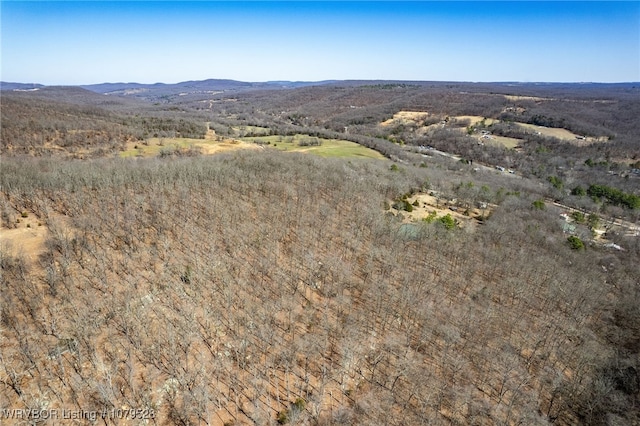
<point x="406" y="117"/>
<point x="26" y="239"/>
<point x="225" y="146"/>
<point x="426" y="205"/>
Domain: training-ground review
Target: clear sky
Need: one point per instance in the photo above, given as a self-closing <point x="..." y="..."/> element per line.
<point x="65" y="42"/>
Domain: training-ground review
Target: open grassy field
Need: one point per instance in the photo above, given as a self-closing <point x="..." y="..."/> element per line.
<point x="551" y="132"/>
<point x="563" y="134"/>
<point x="329" y="147"/>
<point x="155" y="146"/>
<point x="474" y="119"/>
<point x="527" y="98"/>
<point x="505" y="141"/>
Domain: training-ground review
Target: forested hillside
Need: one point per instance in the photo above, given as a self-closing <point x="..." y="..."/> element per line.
<point x="264" y="286"/>
<point x="78" y="123"/>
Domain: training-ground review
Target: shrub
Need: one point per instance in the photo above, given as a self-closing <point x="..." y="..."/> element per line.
<point x="614" y="196"/>
<point x="283" y="417"/>
<point x="186" y="276"/>
<point x="448" y="221"/>
<point x="575" y="243"/>
<point x="578" y="217"/>
<point x="403" y="205"/>
<point x="555" y="181"/>
<point x="295" y="408"/>
<point x="539" y="205"/>
<point x="164" y="153"/>
<point x="430" y="218"/>
<point x="310" y="141"/>
<point x="578" y="191"/>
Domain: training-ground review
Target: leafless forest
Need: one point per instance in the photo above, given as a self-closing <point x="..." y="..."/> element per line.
<point x="266" y="287"/>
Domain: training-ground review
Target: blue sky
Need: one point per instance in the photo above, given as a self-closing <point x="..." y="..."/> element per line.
<point x="65" y="42"/>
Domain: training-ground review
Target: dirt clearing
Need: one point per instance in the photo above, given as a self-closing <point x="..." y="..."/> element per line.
<point x="433" y="206"/>
<point x="406" y="117"/>
<point x="26" y="239"/>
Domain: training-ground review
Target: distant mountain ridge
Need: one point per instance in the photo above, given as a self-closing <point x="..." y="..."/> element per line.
<point x="162" y="90"/>
<point x="203" y="85"/>
<point x="7" y="85"/>
<point x="189" y="87"/>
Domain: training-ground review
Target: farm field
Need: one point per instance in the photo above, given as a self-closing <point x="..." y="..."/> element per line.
<point x="419" y="117"/>
<point x="156" y="146"/>
<point x="463" y="122"/>
<point x="562" y="134"/>
<point x="504" y="141"/>
<point x="559" y="133"/>
<point x="473" y="120"/>
<point x="548" y="131"/>
<point x="327" y="147"/>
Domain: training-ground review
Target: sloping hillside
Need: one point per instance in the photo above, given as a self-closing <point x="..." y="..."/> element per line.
<point x="262" y="287"/>
<point x="78" y="123"/>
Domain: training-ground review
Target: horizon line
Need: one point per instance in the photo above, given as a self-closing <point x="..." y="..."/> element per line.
<point x="2" y="82"/>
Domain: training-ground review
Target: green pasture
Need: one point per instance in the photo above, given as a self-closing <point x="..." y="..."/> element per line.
<point x="328" y="147"/>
